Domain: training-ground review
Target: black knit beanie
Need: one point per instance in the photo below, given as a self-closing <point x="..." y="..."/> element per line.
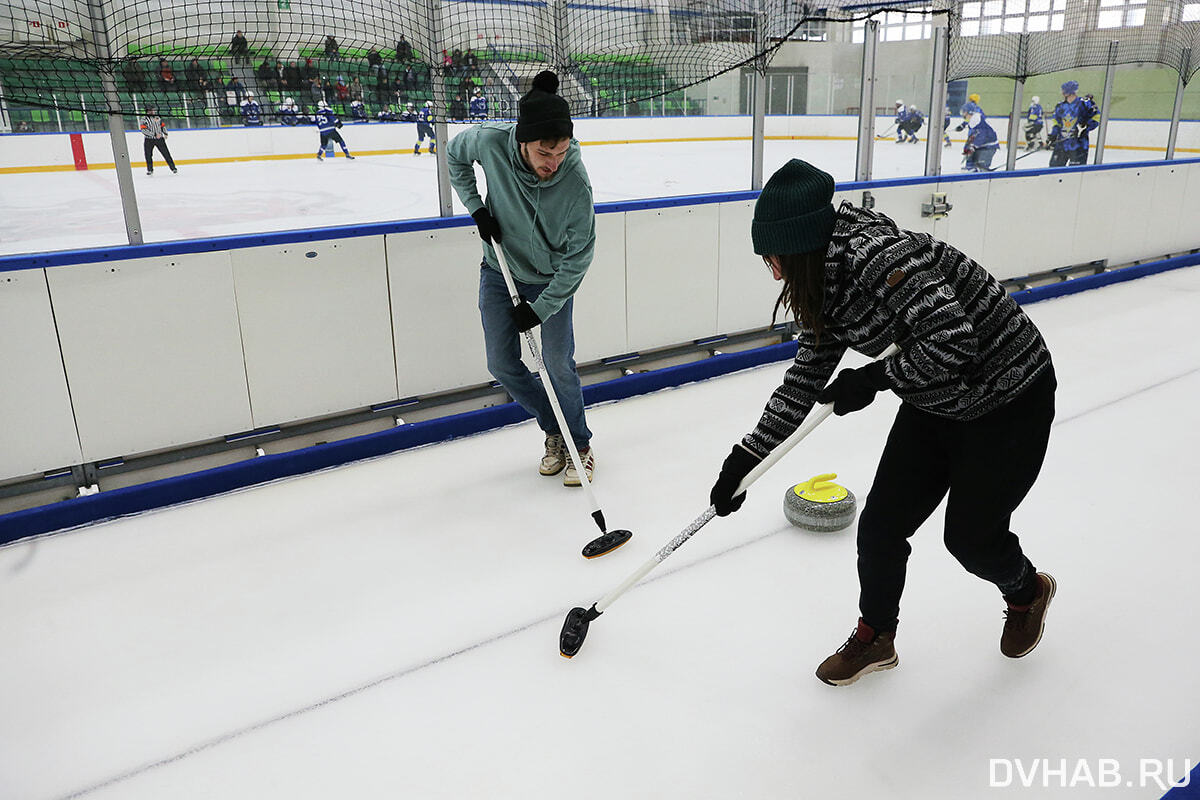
<point x="794" y="213"/>
<point x="542" y="114"/>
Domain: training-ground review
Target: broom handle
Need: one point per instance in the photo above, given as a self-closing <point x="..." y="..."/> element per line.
<point x="815" y="417"/>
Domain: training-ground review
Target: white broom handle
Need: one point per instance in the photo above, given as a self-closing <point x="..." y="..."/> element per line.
<point x="815" y="417"/>
<point x="550" y="393"/>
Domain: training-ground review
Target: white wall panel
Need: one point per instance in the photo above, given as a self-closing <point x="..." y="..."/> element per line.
<point x="1029" y="224"/>
<point x="746" y="291"/>
<point x="152" y="350"/>
<point x="38" y="428"/>
<point x="434" y="279"/>
<point x="1188" y="234"/>
<point x="1165" y="212"/>
<point x="1120" y="201"/>
<point x="903" y="205"/>
<point x="964" y="227"/>
<point x="600" y="328"/>
<point x="316" y="327"/>
<point x="671" y="256"/>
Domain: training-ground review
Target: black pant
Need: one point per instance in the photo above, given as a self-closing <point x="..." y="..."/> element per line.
<point x="161" y="144"/>
<point x="326" y="136"/>
<point x="1063" y="157"/>
<point x="987" y="465"/>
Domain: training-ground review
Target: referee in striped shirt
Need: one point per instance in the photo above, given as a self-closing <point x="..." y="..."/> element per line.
<point x="155" y="131"/>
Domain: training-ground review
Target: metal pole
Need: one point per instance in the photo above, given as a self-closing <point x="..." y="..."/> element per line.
<point x="87" y="125"/>
<point x="440" y="130"/>
<point x="116" y="125"/>
<point x="1014" y="120"/>
<point x="759" y="110"/>
<point x="937" y="98"/>
<point x="1178" y="110"/>
<point x="1109" y="76"/>
<point x="866" y="103"/>
<point x="57" y="110"/>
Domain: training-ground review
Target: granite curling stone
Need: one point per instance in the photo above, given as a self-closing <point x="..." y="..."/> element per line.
<point x="820" y="505"/>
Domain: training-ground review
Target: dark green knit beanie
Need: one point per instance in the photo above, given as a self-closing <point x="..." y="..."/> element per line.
<point x="794" y="213"/>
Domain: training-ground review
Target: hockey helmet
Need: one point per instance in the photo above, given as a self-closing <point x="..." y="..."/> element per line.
<point x="899" y="102"/>
<point x="478" y="91"/>
<point x="1036" y="99"/>
<point x="429" y="104"/>
<point x="974" y="98"/>
<point x="1070" y="87"/>
<point x="323" y="105"/>
<point x="410" y="105"/>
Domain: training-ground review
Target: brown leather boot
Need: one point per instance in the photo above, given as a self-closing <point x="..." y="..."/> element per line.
<point x="1023" y="625"/>
<point x="862" y="653"/>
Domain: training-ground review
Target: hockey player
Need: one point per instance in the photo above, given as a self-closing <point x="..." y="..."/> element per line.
<point x="251" y="112"/>
<point x="1073" y="118"/>
<point x="898" y="123"/>
<point x="913" y="120"/>
<point x="1034" y="122"/>
<point x="976" y="385"/>
<point x="479" y="105"/>
<point x="946" y="126"/>
<point x="425" y="128"/>
<point x="539" y="205"/>
<point x="155" y="132"/>
<point x="288" y="113"/>
<point x="358" y="112"/>
<point x="982" y="143"/>
<point x="409" y="114"/>
<point x="972" y="107"/>
<point x="327" y="124"/>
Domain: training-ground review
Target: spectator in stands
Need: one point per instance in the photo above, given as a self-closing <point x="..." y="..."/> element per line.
<point x="356" y="89"/>
<point x="291" y="77"/>
<point x="166" y="75"/>
<point x="458" y="107"/>
<point x="308" y="71"/>
<point x="343" y="91"/>
<point x="472" y="62"/>
<point x="381" y="88"/>
<point x="196" y="76"/>
<point x="264" y="75"/>
<point x="328" y="92"/>
<point x="447" y="63"/>
<point x="374" y="61"/>
<point x="331" y="47"/>
<point x="135" y="77"/>
<point x="23" y="127"/>
<point x="410" y="78"/>
<point x="239" y="90"/>
<point x="315" y="91"/>
<point x="397" y="89"/>
<point x="239" y="49"/>
<point x="456" y="62"/>
<point x="404" y="51"/>
<point x="278" y="74"/>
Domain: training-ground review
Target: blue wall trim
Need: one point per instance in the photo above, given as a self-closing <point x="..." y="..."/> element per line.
<point x="1189" y="792"/>
<point x="170" y="491"/>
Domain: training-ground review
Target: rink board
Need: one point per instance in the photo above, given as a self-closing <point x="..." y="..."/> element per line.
<point x="118" y="355"/>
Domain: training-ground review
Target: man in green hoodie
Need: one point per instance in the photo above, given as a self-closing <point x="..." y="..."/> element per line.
<point x="539" y="207"/>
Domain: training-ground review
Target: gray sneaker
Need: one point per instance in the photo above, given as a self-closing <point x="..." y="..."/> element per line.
<point x="571" y="476"/>
<point x="556" y="455"/>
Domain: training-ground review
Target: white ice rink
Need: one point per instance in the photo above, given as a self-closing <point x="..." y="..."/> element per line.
<point x="389" y="629"/>
<point x="67" y="210"/>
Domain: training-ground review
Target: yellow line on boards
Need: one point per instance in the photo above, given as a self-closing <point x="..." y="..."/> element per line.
<point x="297" y="156"/>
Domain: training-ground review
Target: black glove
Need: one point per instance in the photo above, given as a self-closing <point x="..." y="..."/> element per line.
<point x="961" y="126"/>
<point x="489" y="229"/>
<point x="854" y="389"/>
<point x="524" y="317"/>
<point x="737" y="466"/>
<point x="339" y="124"/>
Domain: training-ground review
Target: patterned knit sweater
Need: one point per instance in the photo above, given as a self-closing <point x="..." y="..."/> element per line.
<point x="966" y="347"/>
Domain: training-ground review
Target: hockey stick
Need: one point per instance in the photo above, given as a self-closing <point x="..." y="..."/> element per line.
<point x="886" y="134"/>
<point x="575" y="626"/>
<point x="608" y="540"/>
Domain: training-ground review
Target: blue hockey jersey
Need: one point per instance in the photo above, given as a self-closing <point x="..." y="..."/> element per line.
<point x="1071" y="122"/>
<point x="326" y="120"/>
<point x="479" y="107"/>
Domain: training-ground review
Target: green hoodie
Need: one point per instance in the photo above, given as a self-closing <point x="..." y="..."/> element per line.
<point x="548" y="227"/>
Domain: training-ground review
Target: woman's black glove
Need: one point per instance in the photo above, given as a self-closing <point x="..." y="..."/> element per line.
<point x="489" y="229"/>
<point x="736" y="467"/>
<point x="524" y="317"/>
<point x="854" y="389"/>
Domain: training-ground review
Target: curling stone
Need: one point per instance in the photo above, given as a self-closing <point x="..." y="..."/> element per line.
<point x="820" y="505"/>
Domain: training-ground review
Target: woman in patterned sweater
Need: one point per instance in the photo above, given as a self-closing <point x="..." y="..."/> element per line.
<point x="976" y="382"/>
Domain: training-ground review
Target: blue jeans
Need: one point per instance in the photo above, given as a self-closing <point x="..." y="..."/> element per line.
<point x="502" y="341"/>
